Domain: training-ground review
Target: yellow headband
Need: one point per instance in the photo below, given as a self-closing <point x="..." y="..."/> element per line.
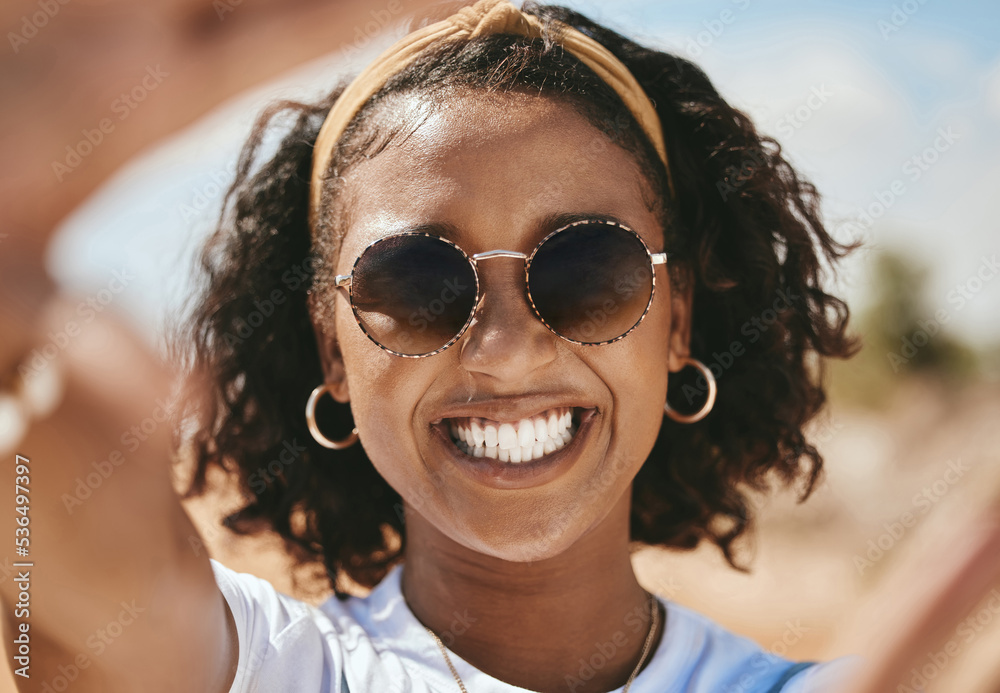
<point x="484" y="18"/>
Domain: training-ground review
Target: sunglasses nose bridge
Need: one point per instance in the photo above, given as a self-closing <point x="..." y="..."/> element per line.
<point x="496" y="254"/>
<point x="505" y="337"/>
<point x="490" y="254"/>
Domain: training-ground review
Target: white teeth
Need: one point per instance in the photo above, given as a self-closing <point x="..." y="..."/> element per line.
<point x="552" y="425"/>
<point x="491" y="435"/>
<point x="478" y="434"/>
<point x="526" y="440"/>
<point x="541" y="429"/>
<point x="507" y="437"/>
<point x="525" y="432"/>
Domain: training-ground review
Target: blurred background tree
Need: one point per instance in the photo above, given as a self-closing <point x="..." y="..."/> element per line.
<point x="905" y="336"/>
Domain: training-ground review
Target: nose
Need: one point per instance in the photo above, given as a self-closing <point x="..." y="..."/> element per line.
<point x="505" y="340"/>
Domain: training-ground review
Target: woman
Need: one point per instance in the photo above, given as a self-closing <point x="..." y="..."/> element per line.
<point x="498" y="245"/>
<point x="504" y="436"/>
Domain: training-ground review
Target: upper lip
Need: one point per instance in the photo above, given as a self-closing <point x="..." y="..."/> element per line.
<point x="511" y="408"/>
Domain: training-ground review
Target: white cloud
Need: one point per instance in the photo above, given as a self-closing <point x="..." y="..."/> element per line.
<point x="855" y="147"/>
<point x="937" y="58"/>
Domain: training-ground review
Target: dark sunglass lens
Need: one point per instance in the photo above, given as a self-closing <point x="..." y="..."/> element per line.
<point x="413" y="293"/>
<point x="592" y="282"/>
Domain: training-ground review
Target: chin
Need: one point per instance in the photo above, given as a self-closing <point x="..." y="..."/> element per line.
<point x="520" y="534"/>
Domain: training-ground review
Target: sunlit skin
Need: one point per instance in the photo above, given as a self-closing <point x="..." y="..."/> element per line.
<point x="544" y="571"/>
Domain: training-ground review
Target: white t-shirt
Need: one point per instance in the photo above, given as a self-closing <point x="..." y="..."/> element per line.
<point x="376" y="645"/>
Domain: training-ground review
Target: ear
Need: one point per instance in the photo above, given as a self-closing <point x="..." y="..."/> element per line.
<point x="681" y="298"/>
<point x="330" y="356"/>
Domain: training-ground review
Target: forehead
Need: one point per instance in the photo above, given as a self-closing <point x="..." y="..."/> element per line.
<point x="493" y="171"/>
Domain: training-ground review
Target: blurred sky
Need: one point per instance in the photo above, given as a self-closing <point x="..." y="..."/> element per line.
<point x="853" y="91"/>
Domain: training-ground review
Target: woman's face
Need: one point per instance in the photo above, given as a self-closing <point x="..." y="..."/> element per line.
<point x="493" y="172"/>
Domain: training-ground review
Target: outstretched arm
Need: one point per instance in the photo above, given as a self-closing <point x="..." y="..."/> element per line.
<point x="940" y="589"/>
<point x="104" y="589"/>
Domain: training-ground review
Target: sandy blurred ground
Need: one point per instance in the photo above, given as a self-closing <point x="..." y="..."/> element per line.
<point x="809" y="587"/>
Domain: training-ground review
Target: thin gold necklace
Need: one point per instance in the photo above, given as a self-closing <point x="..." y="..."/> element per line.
<point x="654" y="612"/>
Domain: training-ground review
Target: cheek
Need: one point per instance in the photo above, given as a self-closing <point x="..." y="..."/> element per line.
<point x="383" y="390"/>
<point x="639" y="402"/>
<point x="653" y="351"/>
<point x="640" y="389"/>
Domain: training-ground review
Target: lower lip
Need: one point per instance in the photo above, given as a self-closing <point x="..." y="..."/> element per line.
<point x="512" y="475"/>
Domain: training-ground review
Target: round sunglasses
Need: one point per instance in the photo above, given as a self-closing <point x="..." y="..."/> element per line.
<point x="414" y="294"/>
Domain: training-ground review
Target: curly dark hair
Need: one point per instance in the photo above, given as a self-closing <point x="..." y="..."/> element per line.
<point x="744" y="234"/>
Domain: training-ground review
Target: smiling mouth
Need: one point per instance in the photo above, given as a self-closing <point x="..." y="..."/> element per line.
<point x="515" y="442"/>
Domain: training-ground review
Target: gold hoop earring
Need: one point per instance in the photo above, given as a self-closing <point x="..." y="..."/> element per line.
<point x="709" y="401"/>
<point x="317" y="434"/>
